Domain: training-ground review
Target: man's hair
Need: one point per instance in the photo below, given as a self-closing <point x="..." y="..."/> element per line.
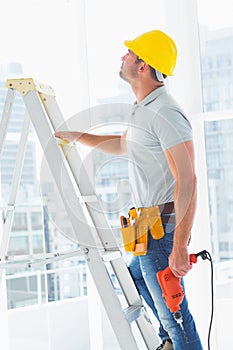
<point x="152" y="70"/>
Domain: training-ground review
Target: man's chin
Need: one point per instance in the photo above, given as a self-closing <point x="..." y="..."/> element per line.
<point x="121" y="74"/>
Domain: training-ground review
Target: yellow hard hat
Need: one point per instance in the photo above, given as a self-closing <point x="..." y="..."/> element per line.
<point x="155" y="48"/>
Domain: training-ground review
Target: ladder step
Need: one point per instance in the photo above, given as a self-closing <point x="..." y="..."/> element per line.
<point x="108" y="256"/>
<point x="30" y="261"/>
<point x="133" y="312"/>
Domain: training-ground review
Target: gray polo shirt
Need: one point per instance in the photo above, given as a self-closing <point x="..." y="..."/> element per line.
<point x="156" y="124"/>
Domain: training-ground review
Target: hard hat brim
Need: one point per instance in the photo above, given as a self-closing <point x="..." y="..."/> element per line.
<point x="130" y="44"/>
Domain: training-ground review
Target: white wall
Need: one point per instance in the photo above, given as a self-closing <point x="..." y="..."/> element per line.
<point x="59" y="325"/>
<point x="64" y="325"/>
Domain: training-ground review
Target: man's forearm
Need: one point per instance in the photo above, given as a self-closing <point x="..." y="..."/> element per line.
<point x="113" y="144"/>
<point x="185" y="207"/>
<point x="105" y="143"/>
<point x="185" y="198"/>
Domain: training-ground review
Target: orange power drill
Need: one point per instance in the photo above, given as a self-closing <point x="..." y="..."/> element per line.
<point x="172" y="290"/>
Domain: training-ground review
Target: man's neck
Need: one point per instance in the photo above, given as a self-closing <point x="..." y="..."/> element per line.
<point x="142" y="91"/>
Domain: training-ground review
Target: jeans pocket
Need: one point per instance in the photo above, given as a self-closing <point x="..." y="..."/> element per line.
<point x="169" y="227"/>
<point x="166" y="242"/>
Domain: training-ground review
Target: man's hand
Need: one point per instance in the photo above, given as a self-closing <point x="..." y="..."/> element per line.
<point x="179" y="261"/>
<point x="68" y="136"/>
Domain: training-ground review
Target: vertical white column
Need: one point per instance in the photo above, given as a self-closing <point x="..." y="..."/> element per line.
<point x="185" y="86"/>
<point x="3" y="295"/>
<point x="182" y="25"/>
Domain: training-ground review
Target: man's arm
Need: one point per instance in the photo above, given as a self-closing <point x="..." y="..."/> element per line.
<point x="181" y="162"/>
<point x="114" y="144"/>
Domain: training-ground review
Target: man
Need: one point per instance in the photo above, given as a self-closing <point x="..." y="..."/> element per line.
<point x="159" y="145"/>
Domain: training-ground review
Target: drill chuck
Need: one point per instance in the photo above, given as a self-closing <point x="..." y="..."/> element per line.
<point x="178" y="316"/>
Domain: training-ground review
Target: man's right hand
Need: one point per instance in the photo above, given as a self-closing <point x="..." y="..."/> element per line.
<point x="68" y="136"/>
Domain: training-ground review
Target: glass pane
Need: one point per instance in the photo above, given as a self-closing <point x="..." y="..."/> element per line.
<point x="37" y="243"/>
<point x="18" y="245"/>
<point x="22" y="291"/>
<point x="67" y="283"/>
<point x="20" y="222"/>
<point x="216" y="38"/>
<point x="219" y="156"/>
<point x="36" y="219"/>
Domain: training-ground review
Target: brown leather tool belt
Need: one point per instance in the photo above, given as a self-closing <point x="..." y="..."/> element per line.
<point x="166" y="208"/>
<point x="165" y="211"/>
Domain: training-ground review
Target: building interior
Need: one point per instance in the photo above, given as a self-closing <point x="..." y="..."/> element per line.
<point x="76" y="46"/>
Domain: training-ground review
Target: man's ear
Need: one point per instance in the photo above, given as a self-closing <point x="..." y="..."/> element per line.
<point x="143" y="67"/>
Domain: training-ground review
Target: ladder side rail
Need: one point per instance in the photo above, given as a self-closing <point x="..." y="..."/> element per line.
<point x="9" y="214"/>
<point x="83" y="231"/>
<point x="6" y="116"/>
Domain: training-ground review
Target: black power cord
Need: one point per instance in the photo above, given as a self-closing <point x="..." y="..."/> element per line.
<point x="206" y="256"/>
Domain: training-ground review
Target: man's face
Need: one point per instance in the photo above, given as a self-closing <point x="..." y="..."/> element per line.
<point x="129" y="65"/>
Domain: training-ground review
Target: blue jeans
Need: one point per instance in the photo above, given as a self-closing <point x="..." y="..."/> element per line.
<point x="143" y="270"/>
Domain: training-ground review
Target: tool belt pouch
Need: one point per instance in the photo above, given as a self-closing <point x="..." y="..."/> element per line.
<point x="155" y="222"/>
<point x="141" y="238"/>
<point x="135" y="237"/>
<point x="129" y="238"/>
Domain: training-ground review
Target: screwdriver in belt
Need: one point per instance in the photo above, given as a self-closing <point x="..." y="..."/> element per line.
<point x="124" y="221"/>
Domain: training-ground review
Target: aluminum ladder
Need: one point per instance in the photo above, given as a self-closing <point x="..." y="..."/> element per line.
<point x="92" y="230"/>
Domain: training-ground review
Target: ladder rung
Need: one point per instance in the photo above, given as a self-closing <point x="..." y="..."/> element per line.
<point x="88" y="199"/>
<point x="108" y="256"/>
<point x="38" y="259"/>
<point x="8" y="207"/>
<point x="133" y="312"/>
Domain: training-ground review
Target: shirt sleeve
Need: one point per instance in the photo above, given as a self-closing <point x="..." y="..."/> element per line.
<point x="172" y="127"/>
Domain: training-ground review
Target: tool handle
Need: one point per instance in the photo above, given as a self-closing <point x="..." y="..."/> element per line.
<point x="193" y="258"/>
<point x="124" y="222"/>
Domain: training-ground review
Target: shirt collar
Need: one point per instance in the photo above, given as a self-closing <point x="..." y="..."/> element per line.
<point x="152" y="96"/>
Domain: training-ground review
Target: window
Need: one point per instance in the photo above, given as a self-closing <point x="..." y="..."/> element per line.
<point x="224" y="60"/>
<point x="37" y="243"/>
<point x="36" y="220"/>
<point x="22" y="291"/>
<point x="20" y="222"/>
<point x="18" y="245"/>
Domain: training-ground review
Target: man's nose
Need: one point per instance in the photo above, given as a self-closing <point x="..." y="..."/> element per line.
<point x="123" y="57"/>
